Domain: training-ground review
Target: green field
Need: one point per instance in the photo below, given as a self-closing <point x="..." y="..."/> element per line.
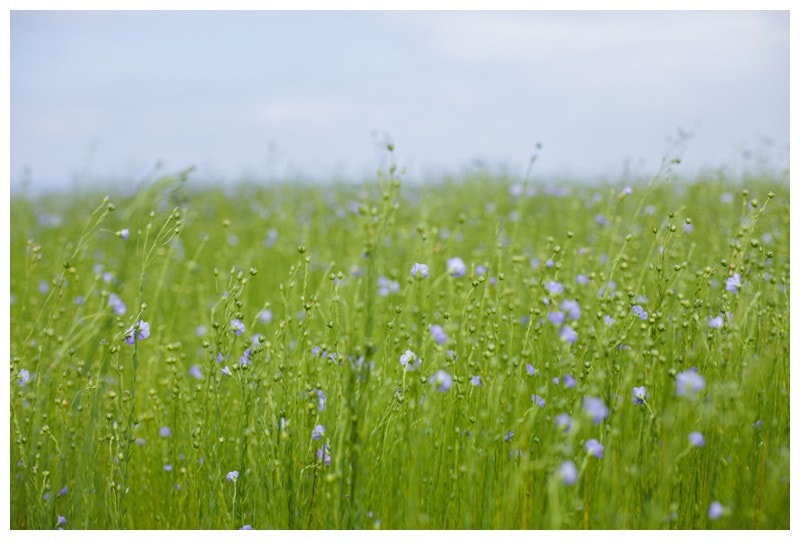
<point x="574" y="356"/>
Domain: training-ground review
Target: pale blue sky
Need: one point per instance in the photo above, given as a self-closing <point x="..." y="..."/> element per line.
<point x="106" y="95"/>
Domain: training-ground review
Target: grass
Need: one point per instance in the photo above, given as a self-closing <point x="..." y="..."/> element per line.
<point x="319" y="277"/>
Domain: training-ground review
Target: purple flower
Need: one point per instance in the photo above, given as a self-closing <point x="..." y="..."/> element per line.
<point x="140" y="331"/>
<point x="563" y="422"/>
<point x="322" y="400"/>
<point x="556" y="317"/>
<point x="245" y="528"/>
<point x="530" y="370"/>
<point x="168" y="467"/>
<point x="689" y="383"/>
<point x="165" y="432"/>
<point x="594" y="448"/>
<point x="318" y="432"/>
<point x="696" y="439"/>
<point x="628" y="190"/>
<point x="582" y="279"/>
<point x="475" y="380"/>
<point x="639" y="395"/>
<point x="442" y="381"/>
<point x="244" y="360"/>
<point x="265" y="316"/>
<point x="554" y="287"/>
<point x="508" y="436"/>
<point x="716" y="322"/>
<point x="386" y="286"/>
<point x="196" y="372"/>
<point x="456" y="267"/>
<point x="24" y="377"/>
<point x="61" y="521"/>
<point x="733" y="283"/>
<point x="568" y="334"/>
<point x="237" y="327"/>
<point x="438" y="334"/>
<point x="568" y="473"/>
<point x="410" y="361"/>
<point x="608" y="320"/>
<point x="226" y="371"/>
<point x="569" y="381"/>
<point x="715" y="510"/>
<point x="124" y="233"/>
<point x="639" y="312"/>
<point x="419" y="271"/>
<point x="116" y="303"/>
<point x="595" y="408"/>
<point x="539" y="400"/>
<point x="573" y="308"/>
<point x="324" y="454"/>
<point x="232" y="476"/>
<point x="63" y="491"/>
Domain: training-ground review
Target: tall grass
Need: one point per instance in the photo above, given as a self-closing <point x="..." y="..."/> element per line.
<point x="276" y="309"/>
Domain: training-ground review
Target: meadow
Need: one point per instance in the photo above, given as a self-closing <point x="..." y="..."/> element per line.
<point x="475" y="353"/>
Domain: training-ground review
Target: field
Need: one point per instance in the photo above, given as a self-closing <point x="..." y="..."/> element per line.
<point x="476" y="353"/>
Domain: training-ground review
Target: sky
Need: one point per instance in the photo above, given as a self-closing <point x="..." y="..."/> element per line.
<point x="110" y="96"/>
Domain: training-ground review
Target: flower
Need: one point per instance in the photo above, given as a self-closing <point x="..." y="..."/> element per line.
<point x="226" y="371"/>
<point x="324" y="454"/>
<point x="322" y="400"/>
<point x="232" y="476"/>
<point x="386" y="286"/>
<point x="595" y="408"/>
<point x="61" y="521"/>
<point x="573" y="308"/>
<point x="265" y="316"/>
<point x="556" y="317"/>
<point x="419" y="271"/>
<point x="139" y="331"/>
<point x="116" y="303"/>
<point x="563" y="422"/>
<point x="165" y="432"/>
<point x="716" y="322"/>
<point x="246" y="528"/>
<point x="442" y="381"/>
<point x="244" y="360"/>
<point x="715" y="510"/>
<point x="554" y="287"/>
<point x="168" y="467"/>
<point x="568" y="334"/>
<point x="196" y="372"/>
<point x="568" y="473"/>
<point x="539" y="400"/>
<point x="569" y="381"/>
<point x="24" y="377"/>
<point x="696" y="439"/>
<point x="318" y="432"/>
<point x="124" y="233"/>
<point x="438" y="334"/>
<point x="456" y="267"/>
<point x="508" y="436"/>
<point x="639" y="395"/>
<point x="63" y="491"/>
<point x="530" y="370"/>
<point x="475" y="380"/>
<point x="237" y="327"/>
<point x="410" y="361"/>
<point x="639" y="312"/>
<point x="582" y="279"/>
<point x="689" y="383"/>
<point x="594" y="448"/>
<point x="733" y="283"/>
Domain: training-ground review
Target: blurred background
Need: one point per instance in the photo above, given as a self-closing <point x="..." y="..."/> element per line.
<point x="104" y="97"/>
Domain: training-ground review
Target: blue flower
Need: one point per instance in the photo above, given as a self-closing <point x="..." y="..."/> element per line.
<point x="689" y="383"/>
<point x="318" y="432"/>
<point x="696" y="439"/>
<point x="24" y="377"/>
<point x="322" y="400"/>
<point x="569" y="381"/>
<point x="165" y="432"/>
<point x="475" y="380"/>
<point x="568" y="334"/>
<point x="456" y="267"/>
<point x="563" y="422"/>
<point x="386" y="286"/>
<point x="568" y="473"/>
<point x="410" y="361"/>
<point x="226" y="371"/>
<point x="639" y="395"/>
<point x="324" y="455"/>
<point x="539" y="400"/>
<point x="139" y="331"/>
<point x="715" y="510"/>
<point x="554" y="287"/>
<point x="556" y="317"/>
<point x="530" y="370"/>
<point x="594" y="448"/>
<point x="438" y="334"/>
<point x="196" y="372"/>
<point x="442" y="381"/>
<point x="232" y="476"/>
<point x="733" y="283"/>
<point x="116" y="303"/>
<point x="61" y="521"/>
<point x="573" y="308"/>
<point x="582" y="279"/>
<point x="716" y="322"/>
<point x="639" y="312"/>
<point x="237" y="327"/>
<point x="419" y="271"/>
<point x="595" y="408"/>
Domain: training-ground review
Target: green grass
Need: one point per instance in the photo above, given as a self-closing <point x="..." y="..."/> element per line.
<point x="299" y="266"/>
